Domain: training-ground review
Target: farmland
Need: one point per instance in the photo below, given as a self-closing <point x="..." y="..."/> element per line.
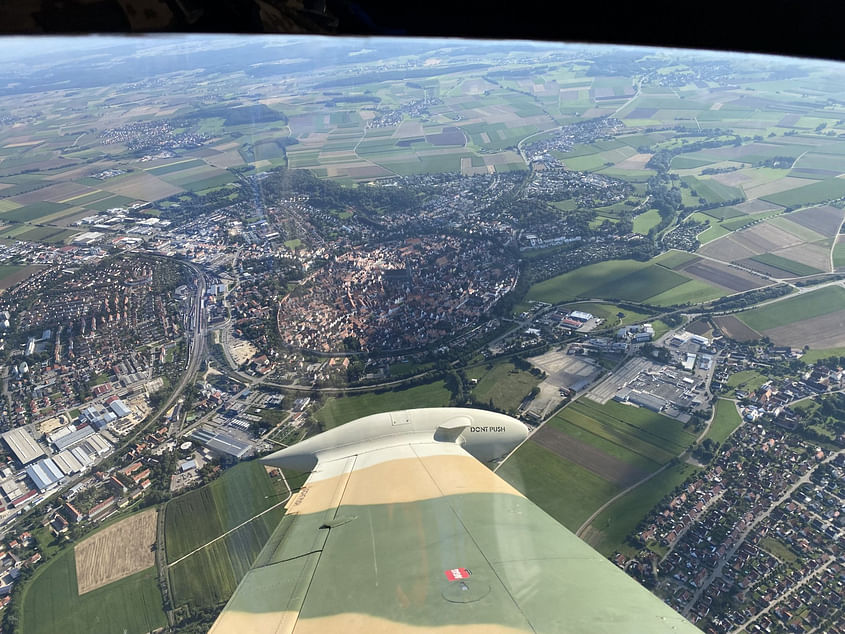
<point x="50" y="602"/>
<point x="337" y="411"/>
<point x="607" y="532"/>
<point x="624" y="279"/>
<point x="563" y="489"/>
<point x="116" y="551"/>
<point x="225" y="503"/>
<point x="596" y="450"/>
<point x="788" y="311"/>
<point x="208" y="576"/>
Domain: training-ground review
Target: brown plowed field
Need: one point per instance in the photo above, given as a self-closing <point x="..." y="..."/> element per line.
<point x="755" y="206"/>
<point x="824" y="220"/>
<point x="826" y="331"/>
<point x="726" y="249"/>
<point x="116" y="552"/>
<point x="723" y="275"/>
<point x="809" y="254"/>
<point x="765" y="269"/>
<point x="735" y="329"/>
<point x="587" y="456"/>
<point x="765" y="238"/>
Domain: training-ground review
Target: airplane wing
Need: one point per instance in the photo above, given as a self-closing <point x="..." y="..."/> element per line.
<point x="421" y="536"/>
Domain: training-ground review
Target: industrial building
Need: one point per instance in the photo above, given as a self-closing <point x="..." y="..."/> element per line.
<point x="73" y="438"/>
<point x="44" y="474"/>
<point x="221" y="443"/>
<point x="23" y="445"/>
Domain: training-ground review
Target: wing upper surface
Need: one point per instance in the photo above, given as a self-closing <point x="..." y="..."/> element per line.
<point x="370" y="540"/>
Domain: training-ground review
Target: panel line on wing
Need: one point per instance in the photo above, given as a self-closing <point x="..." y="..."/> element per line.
<point x="337" y="500"/>
<point x="460" y="520"/>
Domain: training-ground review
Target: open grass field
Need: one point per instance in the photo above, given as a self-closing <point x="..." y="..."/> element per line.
<point x="197" y="517"/>
<point x="646" y="221"/>
<point x="725" y="420"/>
<point x="823" y="301"/>
<point x="604" y="458"/>
<point x="691" y="292"/>
<point x="712" y="190"/>
<point x="608" y="530"/>
<point x="11" y="274"/>
<point x="337" y="411"/>
<point x="117" y="551"/>
<point x="566" y="491"/>
<point x="50" y="602"/>
<point x="503" y="385"/>
<point x="746" y="380"/>
<point x="811" y="356"/>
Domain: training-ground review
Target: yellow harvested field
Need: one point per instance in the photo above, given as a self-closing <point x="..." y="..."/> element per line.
<point x="116" y="552"/>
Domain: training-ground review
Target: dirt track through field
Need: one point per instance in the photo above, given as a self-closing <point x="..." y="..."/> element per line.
<point x="116" y="552"/>
<point x="587" y="456"/>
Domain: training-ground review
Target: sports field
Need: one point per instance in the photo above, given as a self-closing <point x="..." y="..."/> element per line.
<point x="51" y="604"/>
<point x="339" y="410"/>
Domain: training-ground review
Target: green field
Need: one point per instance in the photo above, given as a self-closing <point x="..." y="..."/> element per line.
<point x="811" y="356"/>
<point x="745" y="380"/>
<point x="566" y="491"/>
<point x="839" y="255"/>
<point x="631" y="428"/>
<point x="675" y="259"/>
<point x="784" y="264"/>
<point x="233" y="498"/>
<point x="614" y="279"/>
<point x="646" y="221"/>
<point x="725" y="420"/>
<point x="691" y="292"/>
<point x="34" y="211"/>
<point x="337" y="411"/>
<point x="778" y="549"/>
<point x="209" y="577"/>
<point x="609" y="529"/>
<point x="817" y="192"/>
<point x="712" y="191"/>
<point x="50" y="602"/>
<point x="805" y="306"/>
<point x="502" y="385"/>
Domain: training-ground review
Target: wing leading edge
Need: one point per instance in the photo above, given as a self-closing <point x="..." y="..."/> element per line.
<point x="420" y="536"/>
